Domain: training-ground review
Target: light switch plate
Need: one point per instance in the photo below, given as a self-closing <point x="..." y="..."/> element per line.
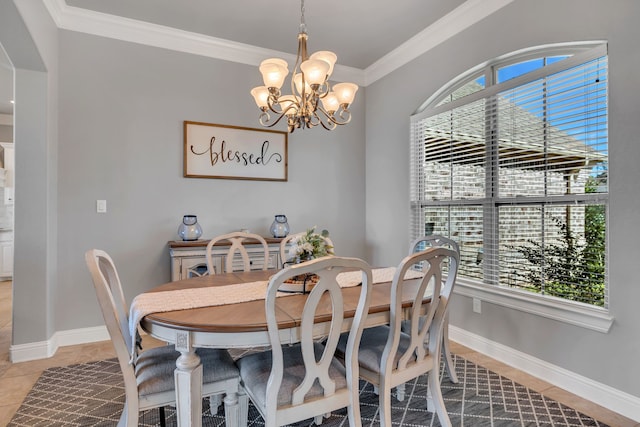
<point x="101" y="206"/>
<point x="477" y="305"/>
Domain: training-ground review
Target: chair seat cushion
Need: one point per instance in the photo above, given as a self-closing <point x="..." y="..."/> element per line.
<point x="372" y="345"/>
<point x="154" y="368"/>
<point x="256" y="368"/>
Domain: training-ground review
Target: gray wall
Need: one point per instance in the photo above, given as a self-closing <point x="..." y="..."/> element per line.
<point x="524" y="23"/>
<point x="122" y="108"/>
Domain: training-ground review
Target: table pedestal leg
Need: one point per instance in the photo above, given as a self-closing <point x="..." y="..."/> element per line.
<point x="232" y="410"/>
<point x="188" y="378"/>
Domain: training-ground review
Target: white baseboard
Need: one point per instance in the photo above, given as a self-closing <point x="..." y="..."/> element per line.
<point x="30" y="351"/>
<point x="46" y="349"/>
<point x="606" y="396"/>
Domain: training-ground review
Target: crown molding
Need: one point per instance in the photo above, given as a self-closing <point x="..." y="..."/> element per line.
<point x="456" y="21"/>
<point x="134" y="31"/>
<point x="130" y="30"/>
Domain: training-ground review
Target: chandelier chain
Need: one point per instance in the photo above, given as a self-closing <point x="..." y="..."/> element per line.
<point x="303" y="24"/>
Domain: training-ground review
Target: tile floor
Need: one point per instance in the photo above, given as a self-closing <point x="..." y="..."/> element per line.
<point x="17" y="379"/>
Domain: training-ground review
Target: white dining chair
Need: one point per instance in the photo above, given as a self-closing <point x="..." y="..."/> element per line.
<point x="286" y="242"/>
<point x="149" y="378"/>
<point x="389" y="357"/>
<point x="420" y="244"/>
<point x="237" y="241"/>
<point x="301" y="381"/>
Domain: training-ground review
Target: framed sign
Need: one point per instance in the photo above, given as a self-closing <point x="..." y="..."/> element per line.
<point x="233" y="152"/>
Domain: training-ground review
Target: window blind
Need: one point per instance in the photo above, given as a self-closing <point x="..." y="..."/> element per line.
<point x="517" y="173"/>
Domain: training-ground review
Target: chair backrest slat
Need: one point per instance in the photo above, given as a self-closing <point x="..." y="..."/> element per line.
<point x="114" y="308"/>
<point x="237" y="240"/>
<point x="433" y="240"/>
<point x="325" y="291"/>
<point x="425" y="319"/>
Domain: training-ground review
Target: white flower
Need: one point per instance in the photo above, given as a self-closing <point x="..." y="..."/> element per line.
<point x="293" y="251"/>
<point x="308" y="246"/>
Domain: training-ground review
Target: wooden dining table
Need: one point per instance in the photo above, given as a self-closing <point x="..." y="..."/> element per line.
<point x="244" y="325"/>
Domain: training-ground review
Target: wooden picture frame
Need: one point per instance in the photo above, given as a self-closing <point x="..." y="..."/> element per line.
<point x="234" y="152"/>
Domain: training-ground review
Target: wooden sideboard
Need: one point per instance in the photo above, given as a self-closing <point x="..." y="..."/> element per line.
<point x="188" y="258"/>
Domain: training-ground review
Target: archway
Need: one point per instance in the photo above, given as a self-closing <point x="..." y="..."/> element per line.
<point x="34" y="225"/>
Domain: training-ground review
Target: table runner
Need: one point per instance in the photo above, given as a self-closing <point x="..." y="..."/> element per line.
<point x="183" y="299"/>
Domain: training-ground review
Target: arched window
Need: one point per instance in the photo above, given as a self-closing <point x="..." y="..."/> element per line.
<point x="511" y="161"/>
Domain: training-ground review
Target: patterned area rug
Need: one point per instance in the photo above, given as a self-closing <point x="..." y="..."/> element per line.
<point x="92" y="394"/>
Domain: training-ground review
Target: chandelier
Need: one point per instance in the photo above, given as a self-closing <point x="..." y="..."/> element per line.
<point x="313" y="101"/>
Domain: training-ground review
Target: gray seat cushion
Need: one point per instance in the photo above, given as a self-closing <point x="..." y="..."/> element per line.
<point x="372" y="345"/>
<point x="154" y="368"/>
<point x="256" y="368"/>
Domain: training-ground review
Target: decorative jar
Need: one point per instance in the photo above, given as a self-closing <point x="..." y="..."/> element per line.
<point x="190" y="229"/>
<point x="280" y="226"/>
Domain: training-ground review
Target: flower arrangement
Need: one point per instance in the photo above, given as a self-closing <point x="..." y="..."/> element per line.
<point x="309" y="246"/>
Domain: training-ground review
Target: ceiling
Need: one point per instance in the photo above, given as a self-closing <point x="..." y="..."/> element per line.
<point x="370" y="37"/>
<point x="358" y="31"/>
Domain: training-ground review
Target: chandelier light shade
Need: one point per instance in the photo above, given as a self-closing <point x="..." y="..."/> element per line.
<point x="312" y="101"/>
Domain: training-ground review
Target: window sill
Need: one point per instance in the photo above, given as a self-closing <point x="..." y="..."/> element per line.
<point x="594" y="318"/>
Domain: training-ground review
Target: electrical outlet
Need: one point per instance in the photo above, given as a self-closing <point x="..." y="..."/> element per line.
<point x="477" y="305"/>
<point x="101" y="206"/>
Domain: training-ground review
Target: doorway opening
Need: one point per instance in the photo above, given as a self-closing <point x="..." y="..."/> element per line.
<point x="6" y="203"/>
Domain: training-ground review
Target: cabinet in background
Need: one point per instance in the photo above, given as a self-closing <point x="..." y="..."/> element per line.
<point x="8" y="163"/>
<point x="188" y="258"/>
<point x="6" y="255"/>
